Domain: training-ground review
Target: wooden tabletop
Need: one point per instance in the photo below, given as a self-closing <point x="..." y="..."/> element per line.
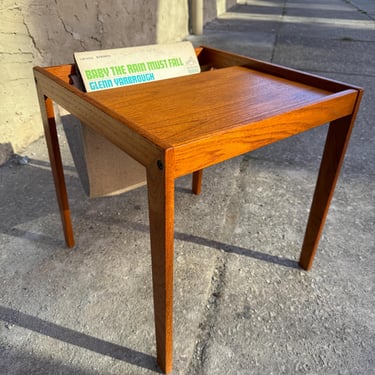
<point x="203" y="117"/>
<point x="182" y="110"/>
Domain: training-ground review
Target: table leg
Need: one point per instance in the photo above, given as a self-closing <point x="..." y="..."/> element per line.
<point x="160" y="184"/>
<point x="197" y="182"/>
<point x="333" y="156"/>
<point x="52" y="141"/>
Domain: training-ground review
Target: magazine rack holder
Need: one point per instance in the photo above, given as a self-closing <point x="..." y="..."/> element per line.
<point x="182" y="125"/>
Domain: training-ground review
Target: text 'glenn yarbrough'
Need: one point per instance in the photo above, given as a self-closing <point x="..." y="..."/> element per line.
<point x="121" y="81"/>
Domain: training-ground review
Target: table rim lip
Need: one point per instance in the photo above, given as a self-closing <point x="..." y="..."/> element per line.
<point x="48" y="73"/>
<point x="250" y="60"/>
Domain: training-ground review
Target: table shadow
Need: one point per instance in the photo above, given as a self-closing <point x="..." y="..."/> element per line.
<point x="228" y="248"/>
<point x="79" y="339"/>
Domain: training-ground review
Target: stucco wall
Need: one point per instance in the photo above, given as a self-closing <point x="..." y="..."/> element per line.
<point x="213" y="8"/>
<point x="41" y="32"/>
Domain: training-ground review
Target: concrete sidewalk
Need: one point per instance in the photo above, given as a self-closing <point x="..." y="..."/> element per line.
<point x="242" y="305"/>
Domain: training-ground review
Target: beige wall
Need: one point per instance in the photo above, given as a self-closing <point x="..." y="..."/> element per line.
<point x="42" y="32"/>
<point x="213" y="8"/>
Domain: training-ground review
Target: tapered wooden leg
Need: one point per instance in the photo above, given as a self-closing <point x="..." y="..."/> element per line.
<point x="160" y="184"/>
<point x="197" y="182"/>
<point x="333" y="156"/>
<point x="50" y="132"/>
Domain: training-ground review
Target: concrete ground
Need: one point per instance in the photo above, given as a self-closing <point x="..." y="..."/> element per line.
<point x="242" y="304"/>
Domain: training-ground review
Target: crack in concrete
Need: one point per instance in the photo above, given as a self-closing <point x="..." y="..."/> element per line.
<point x="16" y="54"/>
<point x="276" y="41"/>
<point x="68" y="29"/>
<point x="29" y="34"/>
<point x="208" y="322"/>
<point x="209" y="319"/>
<point x="359" y="9"/>
<point x="100" y="20"/>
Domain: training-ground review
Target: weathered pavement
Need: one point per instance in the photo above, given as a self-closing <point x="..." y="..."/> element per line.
<point x="242" y="305"/>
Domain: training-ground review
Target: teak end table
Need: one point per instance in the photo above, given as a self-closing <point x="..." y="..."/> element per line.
<point x="183" y="125"/>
